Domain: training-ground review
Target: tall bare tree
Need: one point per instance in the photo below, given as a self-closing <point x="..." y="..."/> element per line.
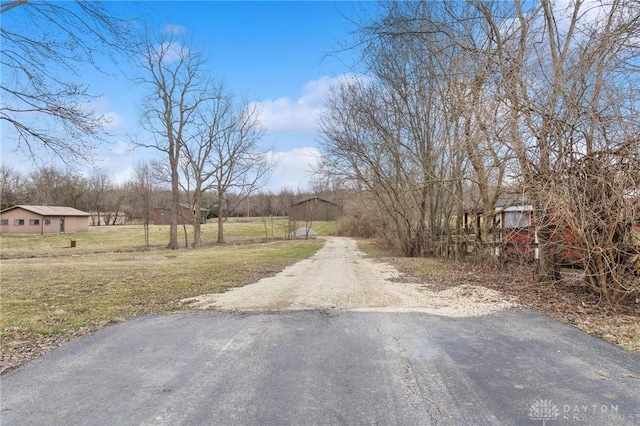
<point x="44" y="43"/>
<point x="363" y="147"/>
<point x="213" y="122"/>
<point x="407" y="128"/>
<point x="459" y="54"/>
<point x="177" y="86"/>
<point x="242" y="165"/>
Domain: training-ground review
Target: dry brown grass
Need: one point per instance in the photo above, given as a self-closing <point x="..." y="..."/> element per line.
<point x="569" y="302"/>
<point x="52" y="294"/>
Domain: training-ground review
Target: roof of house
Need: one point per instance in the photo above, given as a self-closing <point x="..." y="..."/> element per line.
<point x="504" y="203"/>
<point x="49" y="210"/>
<point x="316" y="199"/>
<point x="512" y="202"/>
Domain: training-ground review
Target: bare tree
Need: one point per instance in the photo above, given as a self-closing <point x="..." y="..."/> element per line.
<point x="143" y="191"/>
<point x="44" y="43"/>
<point x="597" y="206"/>
<point x="283" y="200"/>
<point x="393" y="134"/>
<point x="451" y="45"/>
<point x="545" y="91"/>
<point x="214" y="121"/>
<point x="12" y="187"/>
<point x="177" y="86"/>
<point x="362" y="148"/>
<point x="99" y="186"/>
<point x="115" y="200"/>
<point x="52" y="187"/>
<point x="242" y="166"/>
<point x="569" y="83"/>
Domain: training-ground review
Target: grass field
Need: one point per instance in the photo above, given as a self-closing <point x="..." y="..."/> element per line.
<point x="51" y="292"/>
<point x="101" y="239"/>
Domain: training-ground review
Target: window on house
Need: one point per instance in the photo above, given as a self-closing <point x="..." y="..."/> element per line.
<point x="516" y="219"/>
<point x="34" y="222"/>
<point x="47" y="221"/>
<point x="4" y="222"/>
<point x="18" y="222"/>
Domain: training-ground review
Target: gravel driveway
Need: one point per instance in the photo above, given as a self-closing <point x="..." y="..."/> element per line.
<point x="339" y="276"/>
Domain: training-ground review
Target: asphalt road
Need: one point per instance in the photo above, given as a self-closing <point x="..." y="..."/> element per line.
<point x="515" y="367"/>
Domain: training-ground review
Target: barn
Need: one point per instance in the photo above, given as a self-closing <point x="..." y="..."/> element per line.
<point x="40" y="220"/>
<point x="314" y="209"/>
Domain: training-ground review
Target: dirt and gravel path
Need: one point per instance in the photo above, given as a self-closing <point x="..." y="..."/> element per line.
<point x="339" y="276"/>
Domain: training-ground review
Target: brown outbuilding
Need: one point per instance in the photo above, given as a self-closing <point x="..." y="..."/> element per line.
<point x="315" y="209"/>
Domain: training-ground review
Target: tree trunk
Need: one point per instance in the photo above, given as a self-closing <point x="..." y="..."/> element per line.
<point x="221" y="216"/>
<point x="197" y="214"/>
<point x="461" y="246"/>
<point x="175" y="198"/>
<point x="186" y="235"/>
<point x="547" y="267"/>
<point x="146" y="234"/>
<point x="197" y="239"/>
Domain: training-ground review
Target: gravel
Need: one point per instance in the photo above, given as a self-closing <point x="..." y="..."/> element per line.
<point x="339" y="276"/>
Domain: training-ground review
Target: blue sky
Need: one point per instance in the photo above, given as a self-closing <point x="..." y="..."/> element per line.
<point x="278" y="54"/>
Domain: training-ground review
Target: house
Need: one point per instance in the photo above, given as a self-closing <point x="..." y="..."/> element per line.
<point x="511" y="228"/>
<point x="314" y="209"/>
<point x="24" y="219"/>
<point x="513" y="221"/>
<point x="508" y="213"/>
<point x="162" y="216"/>
<point x="513" y="231"/>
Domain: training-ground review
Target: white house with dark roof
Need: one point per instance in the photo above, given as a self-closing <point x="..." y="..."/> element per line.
<point x="23" y="219"/>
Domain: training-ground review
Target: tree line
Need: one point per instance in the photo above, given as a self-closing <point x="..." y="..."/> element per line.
<point x="136" y="199"/>
<point x="463" y="103"/>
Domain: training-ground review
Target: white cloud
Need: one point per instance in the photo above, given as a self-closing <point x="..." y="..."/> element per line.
<point x="122" y="148"/>
<point x="590" y="13"/>
<point x="120" y="160"/>
<point x="294" y="168"/>
<point x="590" y="10"/>
<point x="123" y="175"/>
<point x="302" y="114"/>
<point x="171" y="51"/>
<point x="114" y="121"/>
